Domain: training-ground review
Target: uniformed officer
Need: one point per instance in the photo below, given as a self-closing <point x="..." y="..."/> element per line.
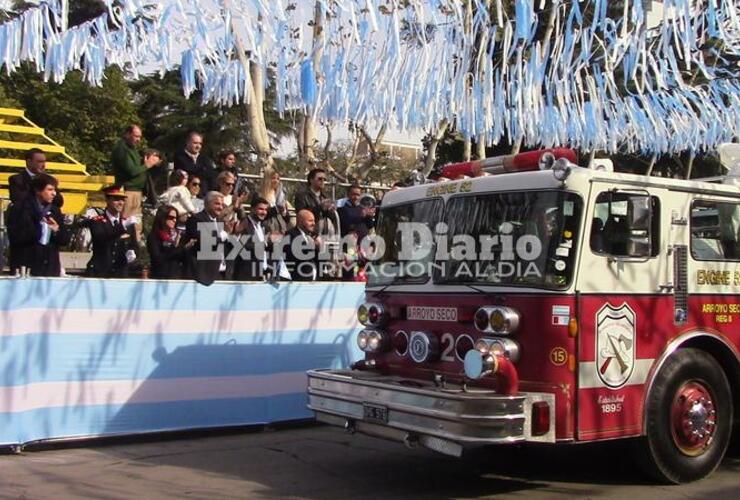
<point x="114" y="242"/>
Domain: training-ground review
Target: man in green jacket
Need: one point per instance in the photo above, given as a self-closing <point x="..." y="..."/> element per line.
<point x="130" y="172"/>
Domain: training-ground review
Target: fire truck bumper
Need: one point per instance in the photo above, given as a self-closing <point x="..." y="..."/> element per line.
<point x="443" y="418"/>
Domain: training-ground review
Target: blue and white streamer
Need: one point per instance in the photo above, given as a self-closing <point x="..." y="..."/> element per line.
<point x="605" y="79"/>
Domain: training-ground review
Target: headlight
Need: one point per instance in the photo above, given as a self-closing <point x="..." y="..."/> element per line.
<point x="373" y="341"/>
<point x="372" y="315"/>
<point x="362" y="339"/>
<point x="504" y="320"/>
<point x="506" y="348"/>
<point x="481" y="319"/>
<point x="362" y="314"/>
<point x="499" y="320"/>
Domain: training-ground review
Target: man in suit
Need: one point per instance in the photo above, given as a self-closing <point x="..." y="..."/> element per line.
<point x="253" y="263"/>
<point x="194" y="162"/>
<point x="19" y="186"/>
<point x="36" y="229"/>
<point x="114" y="242"/>
<point x="301" y="246"/>
<point x="206" y="261"/>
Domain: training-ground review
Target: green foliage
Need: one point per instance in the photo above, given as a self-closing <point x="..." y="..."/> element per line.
<point x="86" y="120"/>
<point x="168" y="116"/>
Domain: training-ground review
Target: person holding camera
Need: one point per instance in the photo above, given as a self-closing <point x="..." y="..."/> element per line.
<point x="226" y="182"/>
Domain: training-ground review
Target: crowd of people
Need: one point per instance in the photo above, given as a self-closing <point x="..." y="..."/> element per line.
<point x="209" y="223"/>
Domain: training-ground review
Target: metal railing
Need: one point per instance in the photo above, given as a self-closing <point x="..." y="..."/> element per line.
<point x="333" y="183"/>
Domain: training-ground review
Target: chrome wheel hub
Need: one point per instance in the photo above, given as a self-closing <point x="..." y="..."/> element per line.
<point x="693" y="418"/>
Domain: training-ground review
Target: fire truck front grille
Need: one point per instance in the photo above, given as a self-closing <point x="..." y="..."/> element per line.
<point x="387" y="407"/>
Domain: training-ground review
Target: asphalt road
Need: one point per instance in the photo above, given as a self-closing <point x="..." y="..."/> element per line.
<point x="325" y="463"/>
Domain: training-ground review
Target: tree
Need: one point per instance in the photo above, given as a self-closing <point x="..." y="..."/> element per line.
<point x="168" y="116"/>
<point x="86" y="120"/>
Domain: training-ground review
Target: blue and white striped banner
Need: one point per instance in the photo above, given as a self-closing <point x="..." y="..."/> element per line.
<point x="85" y="357"/>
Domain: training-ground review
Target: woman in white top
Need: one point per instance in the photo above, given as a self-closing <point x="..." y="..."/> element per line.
<point x="178" y="195"/>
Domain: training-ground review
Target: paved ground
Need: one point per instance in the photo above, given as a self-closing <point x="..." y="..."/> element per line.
<point x="324" y="463"/>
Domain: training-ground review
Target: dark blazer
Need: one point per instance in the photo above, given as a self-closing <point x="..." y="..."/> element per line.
<point x="24" y="232"/>
<point x="249" y="269"/>
<point x="19" y="186"/>
<point x="350" y="218"/>
<point x="203" y="168"/>
<point x="301" y="269"/>
<point x="204" y="271"/>
<point x="167" y="260"/>
<point x="110" y="242"/>
<point x="305" y="199"/>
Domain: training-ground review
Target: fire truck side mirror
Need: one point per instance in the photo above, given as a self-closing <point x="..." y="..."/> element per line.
<point x="639" y="217"/>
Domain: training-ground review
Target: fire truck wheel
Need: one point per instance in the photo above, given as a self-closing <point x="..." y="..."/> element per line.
<point x="689" y="419"/>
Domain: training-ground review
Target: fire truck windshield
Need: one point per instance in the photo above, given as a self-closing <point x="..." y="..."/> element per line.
<point x="406" y="234"/>
<point x="526" y="238"/>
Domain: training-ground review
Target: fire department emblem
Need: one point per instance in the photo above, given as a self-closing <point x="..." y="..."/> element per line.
<point x="615" y="344"/>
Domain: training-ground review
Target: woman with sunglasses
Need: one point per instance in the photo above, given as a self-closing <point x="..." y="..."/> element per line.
<point x="226" y="182"/>
<point x="166" y="255"/>
<point x="194" y="186"/>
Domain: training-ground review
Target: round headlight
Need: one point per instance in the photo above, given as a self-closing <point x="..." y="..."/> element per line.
<point x="481" y="320"/>
<point x="373" y="314"/>
<point x="377" y="341"/>
<point x="362" y="314"/>
<point x="504" y="320"/>
<point x="505" y="348"/>
<point x="498" y="322"/>
<point x="362" y="340"/>
<point x="482" y="346"/>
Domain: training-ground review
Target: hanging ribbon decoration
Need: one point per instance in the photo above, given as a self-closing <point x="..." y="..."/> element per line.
<point x="608" y="77"/>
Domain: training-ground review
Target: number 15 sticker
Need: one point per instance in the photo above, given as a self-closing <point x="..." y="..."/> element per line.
<point x="558" y="356"/>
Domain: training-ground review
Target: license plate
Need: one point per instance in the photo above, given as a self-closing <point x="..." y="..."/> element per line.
<point x="431" y="313"/>
<point x="375" y="413"/>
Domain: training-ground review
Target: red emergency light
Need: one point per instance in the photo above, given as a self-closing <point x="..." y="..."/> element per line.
<point x="522" y="162"/>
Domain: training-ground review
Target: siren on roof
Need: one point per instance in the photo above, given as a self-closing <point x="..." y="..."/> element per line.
<point x="543" y="159"/>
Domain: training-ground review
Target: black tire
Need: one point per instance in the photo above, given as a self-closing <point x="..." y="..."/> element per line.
<point x="669" y="452"/>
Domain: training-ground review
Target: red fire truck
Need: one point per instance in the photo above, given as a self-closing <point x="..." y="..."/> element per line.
<point x="553" y="303"/>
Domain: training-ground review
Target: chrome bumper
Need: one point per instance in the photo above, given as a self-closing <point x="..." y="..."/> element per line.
<point x="416" y="412"/>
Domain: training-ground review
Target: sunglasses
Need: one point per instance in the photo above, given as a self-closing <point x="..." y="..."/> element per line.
<point x="196" y="184"/>
<point x="229" y="183"/>
<point x="172" y="217"/>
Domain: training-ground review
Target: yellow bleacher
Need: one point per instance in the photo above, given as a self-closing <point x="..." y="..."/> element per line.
<point x="21" y="134"/>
